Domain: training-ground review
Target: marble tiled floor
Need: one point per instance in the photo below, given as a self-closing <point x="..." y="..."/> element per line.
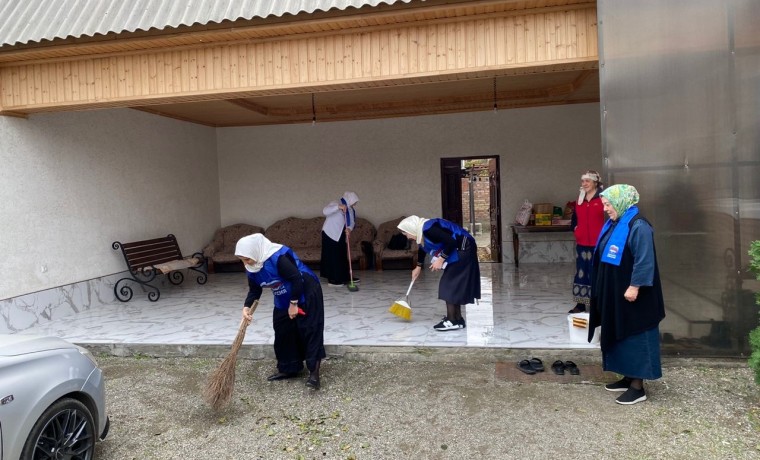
<point x="525" y="308"/>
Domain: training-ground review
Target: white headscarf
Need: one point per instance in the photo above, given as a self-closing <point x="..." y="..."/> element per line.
<point x="256" y="247"/>
<point x="351" y="198"/>
<point x="413" y="226"/>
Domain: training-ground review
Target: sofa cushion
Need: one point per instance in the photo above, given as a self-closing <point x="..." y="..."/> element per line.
<point x="232" y="233"/>
<point x="297" y="233"/>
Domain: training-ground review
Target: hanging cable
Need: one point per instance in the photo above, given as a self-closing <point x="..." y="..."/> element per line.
<point x="495" y="105"/>
<point x="313" y="111"/>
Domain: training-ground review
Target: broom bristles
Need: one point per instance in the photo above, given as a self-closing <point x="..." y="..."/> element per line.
<point x="402" y="311"/>
<point x="221" y="383"/>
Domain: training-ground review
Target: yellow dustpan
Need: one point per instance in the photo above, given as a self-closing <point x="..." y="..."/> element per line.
<point x="401" y="308"/>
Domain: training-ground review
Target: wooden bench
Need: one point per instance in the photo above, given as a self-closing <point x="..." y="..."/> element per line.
<point x="149" y="258"/>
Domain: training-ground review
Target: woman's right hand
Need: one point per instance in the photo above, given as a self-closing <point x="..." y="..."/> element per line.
<point x="247" y="315"/>
<point x="416" y="272"/>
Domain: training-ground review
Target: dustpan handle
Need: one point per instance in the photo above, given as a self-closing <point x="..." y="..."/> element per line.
<point x="410" y="288"/>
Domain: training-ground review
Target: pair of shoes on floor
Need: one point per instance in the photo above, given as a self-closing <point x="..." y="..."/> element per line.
<point x="531" y="366"/>
<point x="559" y="367"/>
<point x="580" y="308"/>
<point x="282" y="376"/>
<point x="448" y="325"/>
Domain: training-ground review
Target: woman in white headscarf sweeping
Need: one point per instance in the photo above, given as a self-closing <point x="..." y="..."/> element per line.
<point x="298" y="317"/>
<point x="454" y="251"/>
<point x="340" y="219"/>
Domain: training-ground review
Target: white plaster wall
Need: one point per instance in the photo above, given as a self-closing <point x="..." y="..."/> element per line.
<point x="72" y="183"/>
<point x="267" y="173"/>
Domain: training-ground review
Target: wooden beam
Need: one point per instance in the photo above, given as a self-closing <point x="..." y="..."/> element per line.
<point x="299" y="63"/>
<point x="248" y="105"/>
<point x="6" y="113"/>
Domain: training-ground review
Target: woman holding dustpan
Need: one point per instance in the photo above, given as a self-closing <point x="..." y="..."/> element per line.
<point x="298" y="317"/>
<point x="454" y="251"/>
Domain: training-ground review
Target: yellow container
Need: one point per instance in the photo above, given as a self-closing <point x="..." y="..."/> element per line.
<point x="543" y="219"/>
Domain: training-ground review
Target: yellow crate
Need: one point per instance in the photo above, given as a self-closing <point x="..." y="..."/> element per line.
<point x="543" y="219"/>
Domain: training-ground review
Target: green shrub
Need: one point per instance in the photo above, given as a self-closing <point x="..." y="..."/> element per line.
<point x="754" y="336"/>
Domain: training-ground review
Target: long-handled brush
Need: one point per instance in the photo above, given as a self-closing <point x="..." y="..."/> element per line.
<point x="220" y="384"/>
<point x="351" y="285"/>
<point x="401" y="308"/>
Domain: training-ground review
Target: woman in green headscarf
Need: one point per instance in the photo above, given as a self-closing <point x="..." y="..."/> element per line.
<point x="626" y="295"/>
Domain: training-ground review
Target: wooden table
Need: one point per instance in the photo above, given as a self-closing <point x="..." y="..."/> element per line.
<point x="517" y="229"/>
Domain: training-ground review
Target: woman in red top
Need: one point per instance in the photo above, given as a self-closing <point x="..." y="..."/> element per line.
<point x="587" y="222"/>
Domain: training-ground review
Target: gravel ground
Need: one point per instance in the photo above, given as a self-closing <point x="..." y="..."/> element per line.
<point x="424" y="410"/>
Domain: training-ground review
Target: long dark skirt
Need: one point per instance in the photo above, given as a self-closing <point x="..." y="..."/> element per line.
<point x="301" y="339"/>
<point x="334" y="262"/>
<point x="637" y="356"/>
<point x="460" y="282"/>
<point x="582" y="280"/>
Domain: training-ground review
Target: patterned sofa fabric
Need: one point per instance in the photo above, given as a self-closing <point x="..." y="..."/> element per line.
<point x="382" y="253"/>
<point x="364" y="232"/>
<point x="304" y="236"/>
<point x="220" y="252"/>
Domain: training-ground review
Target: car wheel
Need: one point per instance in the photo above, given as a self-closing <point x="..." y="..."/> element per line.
<point x="65" y="430"/>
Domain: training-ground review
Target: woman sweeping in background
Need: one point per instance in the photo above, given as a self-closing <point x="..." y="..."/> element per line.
<point x="454" y="251"/>
<point x="587" y="222"/>
<point x="298" y="317"/>
<point x="340" y="219"/>
<point x="626" y="298"/>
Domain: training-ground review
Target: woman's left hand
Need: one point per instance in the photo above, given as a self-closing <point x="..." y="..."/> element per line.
<point x="437" y="264"/>
<point x="631" y="293"/>
<point x="292" y="311"/>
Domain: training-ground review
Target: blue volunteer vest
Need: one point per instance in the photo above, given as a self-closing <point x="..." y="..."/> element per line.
<point x="435" y="248"/>
<point x="269" y="277"/>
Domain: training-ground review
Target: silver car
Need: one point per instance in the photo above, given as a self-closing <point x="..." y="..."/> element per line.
<point x="52" y="399"/>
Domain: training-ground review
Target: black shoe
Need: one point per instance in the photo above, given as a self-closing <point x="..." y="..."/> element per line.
<point x="580" y="308"/>
<point x="448" y="325"/>
<point x="632" y="396"/>
<point x="621" y="385"/>
<point x="282" y="376"/>
<point x="313" y="383"/>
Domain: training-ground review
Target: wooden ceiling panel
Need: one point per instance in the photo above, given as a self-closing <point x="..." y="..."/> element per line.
<point x="518" y="91"/>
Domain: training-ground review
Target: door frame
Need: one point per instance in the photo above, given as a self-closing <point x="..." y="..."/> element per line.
<point x="495" y="208"/>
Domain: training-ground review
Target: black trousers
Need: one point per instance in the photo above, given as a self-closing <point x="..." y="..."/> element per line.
<point x="301" y="339"/>
<point x="334" y="262"/>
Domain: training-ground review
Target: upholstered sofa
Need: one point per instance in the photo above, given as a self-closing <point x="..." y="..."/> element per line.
<point x="220" y="252"/>
<point x="304" y="236"/>
<point x="406" y="258"/>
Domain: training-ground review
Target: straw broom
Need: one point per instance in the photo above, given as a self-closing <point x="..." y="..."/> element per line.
<point x="220" y="384"/>
<point x="401" y="308"/>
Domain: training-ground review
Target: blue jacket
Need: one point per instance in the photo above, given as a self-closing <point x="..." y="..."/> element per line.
<point x="269" y="277"/>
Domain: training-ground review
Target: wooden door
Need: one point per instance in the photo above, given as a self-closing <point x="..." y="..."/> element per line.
<point x="495" y="209"/>
<point x="451" y="189"/>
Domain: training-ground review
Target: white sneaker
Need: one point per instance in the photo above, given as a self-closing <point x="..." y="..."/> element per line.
<point x="448" y="325"/>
